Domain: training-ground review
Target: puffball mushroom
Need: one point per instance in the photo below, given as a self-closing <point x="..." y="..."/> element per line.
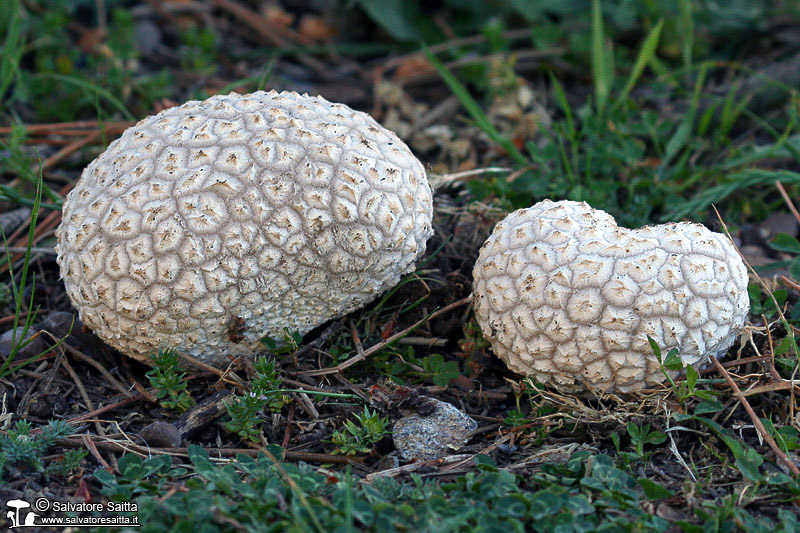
<point x="566" y="296"/>
<point x="213" y="224"/>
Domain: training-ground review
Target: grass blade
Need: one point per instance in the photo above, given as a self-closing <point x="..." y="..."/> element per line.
<point x="646" y="54"/>
<point x="19" y="290"/>
<point x="687" y="32"/>
<point x="561" y="98"/>
<point x="20" y="164"/>
<point x="602" y="57"/>
<point x="12" y="50"/>
<point x="737" y="181"/>
<point x="475" y="111"/>
<point x="99" y="91"/>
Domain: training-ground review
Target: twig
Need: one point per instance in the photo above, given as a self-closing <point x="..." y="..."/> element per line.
<point x="148" y="396"/>
<point x="34" y="250"/>
<point x="88" y="443"/>
<point x="428" y="342"/>
<point x="287" y="434"/>
<point x="10" y="318"/>
<point x="105" y="409"/>
<point x="391" y="472"/>
<point x="114" y="445"/>
<point x="756" y="421"/>
<point x="782" y="385"/>
<point x="485" y="451"/>
<point x="78" y="128"/>
<point x="125" y="391"/>
<point x="270" y="32"/>
<point x="78" y="383"/>
<point x="453" y="43"/>
<point x="361" y="356"/>
<point x="301" y="385"/>
<point x="729" y="364"/>
<point x="788" y="200"/>
<point x="68" y="150"/>
<point x="442" y="179"/>
<point x="227" y="375"/>
<point x="483" y="395"/>
<point x="307" y="405"/>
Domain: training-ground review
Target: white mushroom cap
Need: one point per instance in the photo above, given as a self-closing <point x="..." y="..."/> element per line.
<point x="212" y="224"/>
<point x="566" y="296"/>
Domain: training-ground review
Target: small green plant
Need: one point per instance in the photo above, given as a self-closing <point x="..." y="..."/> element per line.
<point x="515" y="418"/>
<point x="642" y="435"/>
<point x="587" y="492"/>
<point x="169" y="383"/>
<point x="746" y="459"/>
<point x="199" y="50"/>
<point x="790" y="245"/>
<point x="439" y="371"/>
<point x="243" y="411"/>
<point x="137" y="476"/>
<point x="288" y="345"/>
<point x="686" y="388"/>
<point x="71" y="461"/>
<point x="266" y="384"/>
<point x="763" y="304"/>
<point x="406" y="364"/>
<point x="243" y="416"/>
<point x="786" y="436"/>
<point x="19" y="447"/>
<point x="360" y="436"/>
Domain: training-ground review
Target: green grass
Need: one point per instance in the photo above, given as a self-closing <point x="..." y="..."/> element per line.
<point x="19" y="447"/>
<point x="589" y="492"/>
<point x="20" y="339"/>
<point x="634" y="162"/>
<point x="636" y="130"/>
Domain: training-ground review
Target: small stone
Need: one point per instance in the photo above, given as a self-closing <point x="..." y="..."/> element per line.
<point x="47" y="405"/>
<point x="161" y="435"/>
<point x="430" y="437"/>
<point x="62" y="324"/>
<point x="147" y="36"/>
<point x="33" y="348"/>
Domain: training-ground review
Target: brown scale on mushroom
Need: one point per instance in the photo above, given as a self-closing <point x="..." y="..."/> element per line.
<point x="569" y="298"/>
<point x="215" y="223"/>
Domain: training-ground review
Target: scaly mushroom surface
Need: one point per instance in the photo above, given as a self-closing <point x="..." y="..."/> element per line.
<point x="568" y="297"/>
<point x="215" y="223"/>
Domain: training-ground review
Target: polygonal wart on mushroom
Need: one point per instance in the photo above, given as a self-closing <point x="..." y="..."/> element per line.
<point x="568" y="297"/>
<point x="215" y="223"/>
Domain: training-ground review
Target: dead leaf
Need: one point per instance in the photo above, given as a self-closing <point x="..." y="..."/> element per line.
<point x="316" y="29"/>
<point x="414" y="65"/>
<point x="278" y="16"/>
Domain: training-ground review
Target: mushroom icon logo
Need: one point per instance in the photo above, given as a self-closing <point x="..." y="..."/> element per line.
<point x="14" y="515"/>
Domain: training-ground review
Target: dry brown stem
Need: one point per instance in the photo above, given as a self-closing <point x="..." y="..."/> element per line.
<point x="762" y="431"/>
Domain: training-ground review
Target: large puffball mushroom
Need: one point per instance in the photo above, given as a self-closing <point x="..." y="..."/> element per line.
<point x="567" y="297"/>
<point x="213" y="224"/>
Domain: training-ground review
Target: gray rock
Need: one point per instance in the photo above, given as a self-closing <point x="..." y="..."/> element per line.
<point x="147" y="36"/>
<point x="161" y="435"/>
<point x="35" y="347"/>
<point x="432" y="436"/>
<point x="778" y="222"/>
<point x="58" y="324"/>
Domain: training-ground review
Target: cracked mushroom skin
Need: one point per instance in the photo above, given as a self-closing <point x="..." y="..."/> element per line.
<point x="213" y="224"/>
<point x="567" y="297"/>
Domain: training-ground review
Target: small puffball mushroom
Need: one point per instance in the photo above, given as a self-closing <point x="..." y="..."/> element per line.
<point x="213" y="224"/>
<point x="567" y="297"/>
